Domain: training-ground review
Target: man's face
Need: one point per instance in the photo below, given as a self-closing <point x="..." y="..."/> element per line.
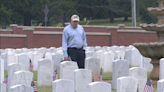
<point x="74" y="23"/>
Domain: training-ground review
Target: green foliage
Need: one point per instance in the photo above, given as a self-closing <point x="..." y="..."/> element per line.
<point x="5" y="11"/>
<point x="146" y="16"/>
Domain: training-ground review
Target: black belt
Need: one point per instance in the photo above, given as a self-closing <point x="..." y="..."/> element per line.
<point x="75" y="48"/>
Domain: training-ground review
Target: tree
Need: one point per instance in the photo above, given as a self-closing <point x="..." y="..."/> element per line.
<point x="29" y="8"/>
<point x="93" y="9"/>
<point x="6" y="12"/>
<point x="121" y="7"/>
<point x="146" y="16"/>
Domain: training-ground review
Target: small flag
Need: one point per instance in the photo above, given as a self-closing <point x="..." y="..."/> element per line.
<point x="33" y="85"/>
<point x="5" y="81"/>
<point x="100" y="76"/>
<point x="148" y="86"/>
<point x="138" y="88"/>
<point x="55" y="76"/>
<point x="93" y="79"/>
<point x="44" y="56"/>
<point x="31" y="65"/>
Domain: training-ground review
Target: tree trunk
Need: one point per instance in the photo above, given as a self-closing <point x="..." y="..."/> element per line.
<point x="111" y="14"/>
<point x="4" y="25"/>
<point x="125" y="17"/>
<point x="27" y="19"/>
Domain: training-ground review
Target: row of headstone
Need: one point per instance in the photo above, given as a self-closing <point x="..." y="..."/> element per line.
<point x="81" y="79"/>
<point x="131" y="54"/>
<point x="65" y="85"/>
<point x="24" y="58"/>
<point x="121" y="69"/>
<point x="120" y="52"/>
<point x="136" y="79"/>
<point x="17" y="75"/>
<point x="84" y="84"/>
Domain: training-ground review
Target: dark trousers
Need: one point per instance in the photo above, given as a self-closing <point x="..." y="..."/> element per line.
<point x="77" y="55"/>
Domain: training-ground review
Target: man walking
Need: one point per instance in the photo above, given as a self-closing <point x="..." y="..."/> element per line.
<point x="74" y="42"/>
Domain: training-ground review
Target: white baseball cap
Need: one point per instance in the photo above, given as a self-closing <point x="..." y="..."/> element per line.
<point x="75" y="18"/>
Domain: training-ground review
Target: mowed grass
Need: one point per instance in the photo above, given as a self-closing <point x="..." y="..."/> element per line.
<point x="106" y="77"/>
<point x="106" y="22"/>
<point x="99" y="22"/>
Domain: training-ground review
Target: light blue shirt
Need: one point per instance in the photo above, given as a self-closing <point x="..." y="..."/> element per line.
<point x="73" y="37"/>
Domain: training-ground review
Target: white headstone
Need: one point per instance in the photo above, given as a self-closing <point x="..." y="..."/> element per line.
<point x="120" y="54"/>
<point x="21" y="88"/>
<point x="11" y="58"/>
<point x="4" y="57"/>
<point x="127" y="84"/>
<point x="1" y="70"/>
<point x="147" y="64"/>
<point x="161" y="69"/>
<point x="2" y="87"/>
<point x="19" y="51"/>
<point x="160" y="85"/>
<point x="122" y="48"/>
<point x="45" y="72"/>
<point x="60" y="51"/>
<point x="24" y="59"/>
<point x="97" y="48"/>
<point x="36" y="57"/>
<point x="90" y="54"/>
<point x="99" y="87"/>
<point x="52" y="50"/>
<point x="136" y="57"/>
<point x="63" y="85"/>
<point x="108" y="59"/>
<point x="23" y="77"/>
<point x="48" y="55"/>
<point x="31" y="55"/>
<point x="141" y="75"/>
<point x="128" y="55"/>
<point x="93" y="64"/>
<point x="67" y="69"/>
<point x="11" y="69"/>
<point x="57" y="58"/>
<point x="82" y="78"/>
<point x="100" y="56"/>
<point x="90" y="48"/>
<point x="42" y="51"/>
<point x="120" y="69"/>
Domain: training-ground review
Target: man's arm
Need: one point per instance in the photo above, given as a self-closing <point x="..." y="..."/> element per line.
<point x="84" y="41"/>
<point x="64" y="45"/>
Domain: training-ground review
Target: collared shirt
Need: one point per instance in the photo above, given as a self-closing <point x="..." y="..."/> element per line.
<point x="73" y="37"/>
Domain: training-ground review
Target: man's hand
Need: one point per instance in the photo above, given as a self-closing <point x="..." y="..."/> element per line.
<point x="66" y="59"/>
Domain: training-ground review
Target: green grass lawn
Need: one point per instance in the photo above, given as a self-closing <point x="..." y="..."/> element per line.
<point x="106" y="76"/>
<point x="101" y="22"/>
<point x="106" y="22"/>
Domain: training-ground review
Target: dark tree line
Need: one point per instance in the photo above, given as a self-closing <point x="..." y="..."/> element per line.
<point x="23" y="11"/>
